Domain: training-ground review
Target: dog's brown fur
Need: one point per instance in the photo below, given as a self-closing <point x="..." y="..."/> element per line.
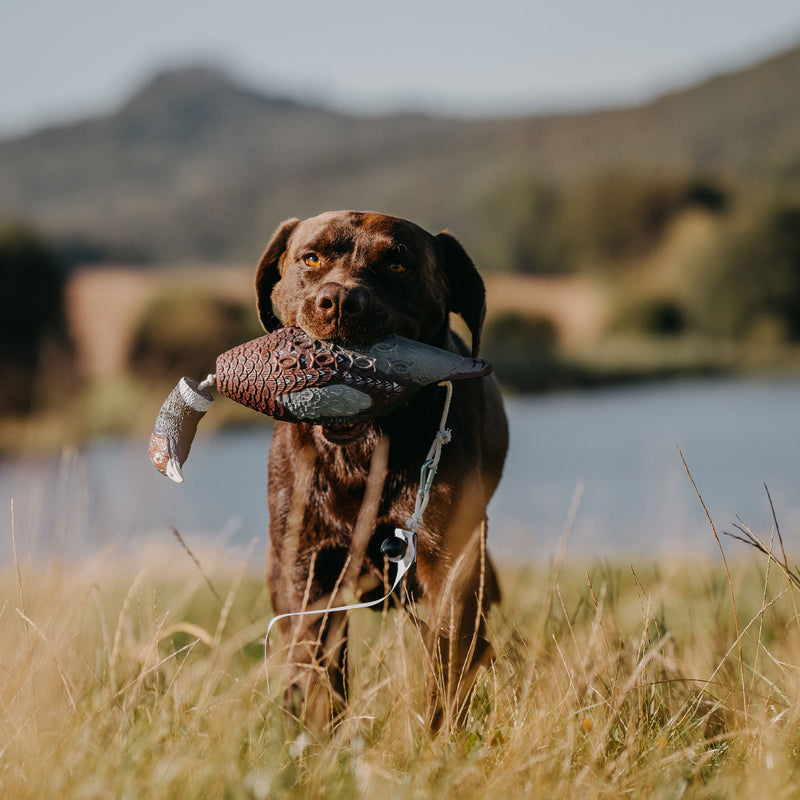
<point x="353" y="278"/>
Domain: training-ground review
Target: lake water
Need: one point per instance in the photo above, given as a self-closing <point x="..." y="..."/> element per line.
<point x="614" y="449"/>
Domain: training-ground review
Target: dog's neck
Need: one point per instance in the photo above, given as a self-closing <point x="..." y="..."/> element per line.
<point x="348" y="465"/>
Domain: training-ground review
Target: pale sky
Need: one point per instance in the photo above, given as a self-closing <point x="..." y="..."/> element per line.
<point x="63" y="60"/>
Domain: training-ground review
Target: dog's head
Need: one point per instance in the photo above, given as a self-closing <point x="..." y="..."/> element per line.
<point x="353" y="278"/>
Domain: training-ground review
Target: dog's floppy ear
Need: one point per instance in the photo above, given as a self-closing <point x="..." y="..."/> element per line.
<point x="268" y="273"/>
<point x="467" y="294"/>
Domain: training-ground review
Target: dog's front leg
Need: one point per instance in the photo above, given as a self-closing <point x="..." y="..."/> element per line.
<point x="297" y="579"/>
<point x="457" y="644"/>
<point x="316" y="669"/>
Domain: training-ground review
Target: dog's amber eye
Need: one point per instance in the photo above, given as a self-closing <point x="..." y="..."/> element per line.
<point x="397" y="269"/>
<point x="311" y="260"/>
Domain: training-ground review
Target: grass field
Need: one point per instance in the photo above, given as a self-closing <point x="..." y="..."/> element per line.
<point x="144" y="678"/>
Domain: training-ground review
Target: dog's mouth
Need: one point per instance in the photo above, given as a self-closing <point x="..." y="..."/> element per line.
<point x="343" y="433"/>
<point x="350" y="335"/>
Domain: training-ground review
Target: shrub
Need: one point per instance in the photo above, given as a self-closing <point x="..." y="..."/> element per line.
<point x="650" y="316"/>
<point x="536" y="227"/>
<point x="520" y="230"/>
<point x="621" y="214"/>
<point x="183" y="331"/>
<point x="522" y="349"/>
<point x="752" y="280"/>
<point x="31" y="311"/>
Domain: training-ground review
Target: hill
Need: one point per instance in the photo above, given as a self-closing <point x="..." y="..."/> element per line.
<point x="195" y="166"/>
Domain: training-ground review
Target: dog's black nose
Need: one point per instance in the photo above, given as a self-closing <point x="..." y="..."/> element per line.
<point x="335" y="301"/>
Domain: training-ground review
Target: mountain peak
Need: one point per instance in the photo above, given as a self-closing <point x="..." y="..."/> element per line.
<point x="196" y="163"/>
<point x="195" y="87"/>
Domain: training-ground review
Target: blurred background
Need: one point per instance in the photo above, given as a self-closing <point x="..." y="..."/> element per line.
<point x="626" y="177"/>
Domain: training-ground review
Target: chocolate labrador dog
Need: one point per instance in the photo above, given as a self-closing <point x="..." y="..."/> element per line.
<point x="353" y="278"/>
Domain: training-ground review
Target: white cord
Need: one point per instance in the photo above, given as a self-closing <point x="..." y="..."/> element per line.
<point x="431" y="464"/>
<point x="209" y="381"/>
<point x="407" y="560"/>
<point x="403" y="565"/>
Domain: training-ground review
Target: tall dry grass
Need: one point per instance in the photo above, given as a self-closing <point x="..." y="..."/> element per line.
<point x="139" y="678"/>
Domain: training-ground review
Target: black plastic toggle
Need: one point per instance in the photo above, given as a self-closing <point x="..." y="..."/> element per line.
<point x="394" y="548"/>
